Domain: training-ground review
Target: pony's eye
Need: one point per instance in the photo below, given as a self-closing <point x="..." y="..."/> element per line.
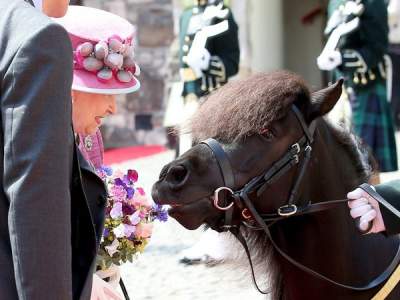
<point x="267" y="134"/>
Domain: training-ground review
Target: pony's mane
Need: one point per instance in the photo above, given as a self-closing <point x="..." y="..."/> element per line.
<point x="245" y="107"/>
<point x="360" y="155"/>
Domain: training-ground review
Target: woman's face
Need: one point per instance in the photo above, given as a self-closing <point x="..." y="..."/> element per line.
<point x="88" y="110"/>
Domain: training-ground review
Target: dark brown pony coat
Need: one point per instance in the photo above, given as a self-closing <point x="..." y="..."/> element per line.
<point x="326" y="242"/>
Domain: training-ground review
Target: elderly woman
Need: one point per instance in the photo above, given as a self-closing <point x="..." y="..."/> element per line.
<point x="103" y="68"/>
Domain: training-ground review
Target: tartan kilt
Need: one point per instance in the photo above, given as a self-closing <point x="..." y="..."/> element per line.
<point x="372" y="121"/>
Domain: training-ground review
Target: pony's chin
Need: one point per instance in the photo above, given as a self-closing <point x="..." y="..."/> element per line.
<point x="192" y="215"/>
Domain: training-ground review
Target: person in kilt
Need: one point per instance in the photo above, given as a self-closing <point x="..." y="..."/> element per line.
<point x="209" y="54"/>
<point x="358" y="55"/>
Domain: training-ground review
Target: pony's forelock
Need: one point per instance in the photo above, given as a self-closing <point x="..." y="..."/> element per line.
<point x="245" y="107"/>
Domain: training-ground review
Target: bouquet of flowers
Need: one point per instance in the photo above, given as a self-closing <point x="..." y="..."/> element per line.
<point x="129" y="218"/>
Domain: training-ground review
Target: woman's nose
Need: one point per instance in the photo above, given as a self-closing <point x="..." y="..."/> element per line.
<point x="113" y="106"/>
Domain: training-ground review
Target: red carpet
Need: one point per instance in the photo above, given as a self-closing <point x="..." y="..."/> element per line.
<point x="114" y="156"/>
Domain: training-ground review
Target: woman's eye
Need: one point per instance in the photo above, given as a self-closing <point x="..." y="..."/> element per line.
<point x="267" y="134"/>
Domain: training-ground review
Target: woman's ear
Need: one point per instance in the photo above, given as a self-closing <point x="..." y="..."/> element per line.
<point x="73" y="96"/>
<point x="324" y="100"/>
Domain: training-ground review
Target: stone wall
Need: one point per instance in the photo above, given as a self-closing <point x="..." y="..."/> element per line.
<point x="139" y="117"/>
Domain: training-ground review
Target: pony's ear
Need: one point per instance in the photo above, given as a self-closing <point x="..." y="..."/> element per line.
<point x="324" y="100"/>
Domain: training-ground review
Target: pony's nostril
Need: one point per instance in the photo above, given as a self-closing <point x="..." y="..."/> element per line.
<point x="176" y="175"/>
<point x="163" y="172"/>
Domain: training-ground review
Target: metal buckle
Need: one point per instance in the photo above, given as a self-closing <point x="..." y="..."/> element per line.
<point x="216" y="198"/>
<point x="297" y="147"/>
<point x="246" y="214"/>
<point x="287" y="210"/>
<point x="296" y="158"/>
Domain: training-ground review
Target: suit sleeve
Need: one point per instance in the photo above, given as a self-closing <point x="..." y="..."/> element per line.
<point x="38" y="140"/>
<point x="391" y="193"/>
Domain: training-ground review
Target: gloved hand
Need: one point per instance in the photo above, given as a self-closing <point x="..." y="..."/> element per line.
<point x="363" y="205"/>
<point x="198" y="60"/>
<point x="328" y="61"/>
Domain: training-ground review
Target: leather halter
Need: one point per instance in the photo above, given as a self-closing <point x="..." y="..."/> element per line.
<point x="260" y="183"/>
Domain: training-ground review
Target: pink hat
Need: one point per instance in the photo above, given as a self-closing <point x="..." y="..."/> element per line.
<point x="103" y="51"/>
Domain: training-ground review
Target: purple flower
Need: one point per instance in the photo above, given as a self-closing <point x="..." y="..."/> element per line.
<point x="129" y="230"/>
<point x="129" y="192"/>
<point x="124" y="183"/>
<point x="162" y="216"/>
<point x="116" y="211"/>
<point x="127" y="209"/>
<point x="160" y="213"/>
<point x="107" y="170"/>
<point x="119" y="181"/>
<point x="106" y="232"/>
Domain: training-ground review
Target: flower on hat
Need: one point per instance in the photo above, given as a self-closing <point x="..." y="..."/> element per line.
<point x="107" y="59"/>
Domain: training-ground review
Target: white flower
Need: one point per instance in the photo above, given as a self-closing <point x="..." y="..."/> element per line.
<point x="119" y="231"/>
<point x="134" y="218"/>
<point x="112" y="248"/>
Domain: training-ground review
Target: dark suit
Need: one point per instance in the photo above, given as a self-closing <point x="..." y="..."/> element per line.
<point x="47" y="232"/>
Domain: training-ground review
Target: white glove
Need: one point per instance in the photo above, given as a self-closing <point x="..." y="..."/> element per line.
<point x="362" y="205"/>
<point x="198" y="60"/>
<point x="328" y="61"/>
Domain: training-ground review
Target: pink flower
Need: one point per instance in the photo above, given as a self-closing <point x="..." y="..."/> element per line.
<point x="116" y="211"/>
<point x="119" y="231"/>
<point x="140" y="200"/>
<point x="141" y="191"/>
<point x="133" y="175"/>
<point x="144" y="230"/>
<point x="118" y="193"/>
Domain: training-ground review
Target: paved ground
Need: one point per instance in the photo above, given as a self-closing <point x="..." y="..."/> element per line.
<point x="157" y="273"/>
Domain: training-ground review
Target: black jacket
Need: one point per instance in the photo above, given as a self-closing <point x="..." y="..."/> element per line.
<point x="390" y="191"/>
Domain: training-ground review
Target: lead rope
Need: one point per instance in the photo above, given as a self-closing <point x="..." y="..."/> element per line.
<point x="374" y="283"/>
<point x="236" y="232"/>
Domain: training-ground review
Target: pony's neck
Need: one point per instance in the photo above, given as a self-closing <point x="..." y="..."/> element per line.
<point x="326" y="241"/>
<point x="333" y="166"/>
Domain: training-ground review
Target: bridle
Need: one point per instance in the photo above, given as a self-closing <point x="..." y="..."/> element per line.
<point x="241" y="199"/>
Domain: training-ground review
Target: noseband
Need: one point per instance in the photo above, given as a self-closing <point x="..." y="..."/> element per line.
<point x="240" y="198"/>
